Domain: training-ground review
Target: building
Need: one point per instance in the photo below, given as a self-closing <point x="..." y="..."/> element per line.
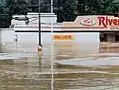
<point x="32" y="18"/>
<point x="108" y="26"/>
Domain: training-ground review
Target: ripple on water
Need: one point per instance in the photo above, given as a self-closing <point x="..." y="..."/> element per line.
<point x="107" y="61"/>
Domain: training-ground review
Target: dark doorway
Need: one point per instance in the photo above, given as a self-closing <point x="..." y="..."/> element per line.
<point x="117" y="38"/>
<point x="103" y="37"/>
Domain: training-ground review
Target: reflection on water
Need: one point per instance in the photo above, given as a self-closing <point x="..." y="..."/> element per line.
<point x="35" y="73"/>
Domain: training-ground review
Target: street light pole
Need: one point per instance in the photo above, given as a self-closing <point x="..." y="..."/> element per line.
<point x="39" y="25"/>
<point x="51" y="6"/>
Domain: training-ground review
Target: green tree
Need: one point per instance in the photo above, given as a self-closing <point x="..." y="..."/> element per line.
<point x="34" y="2"/>
<point x="68" y="10"/>
<point x="3" y="7"/>
<point x="45" y="6"/>
<point x="17" y="6"/>
<point x="4" y="18"/>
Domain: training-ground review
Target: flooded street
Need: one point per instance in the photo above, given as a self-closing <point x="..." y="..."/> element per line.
<point x="64" y="68"/>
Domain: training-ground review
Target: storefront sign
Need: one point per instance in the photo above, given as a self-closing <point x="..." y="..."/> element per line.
<point x="88" y="22"/>
<point x="63" y="37"/>
<point x="107" y="22"/>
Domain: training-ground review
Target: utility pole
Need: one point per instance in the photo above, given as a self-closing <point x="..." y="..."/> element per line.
<point x="39" y="25"/>
<point x="118" y="12"/>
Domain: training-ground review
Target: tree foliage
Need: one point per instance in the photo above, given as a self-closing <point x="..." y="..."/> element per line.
<point x="3" y="8"/>
<point x="66" y="10"/>
<point x="17" y="6"/>
<point x="69" y="9"/>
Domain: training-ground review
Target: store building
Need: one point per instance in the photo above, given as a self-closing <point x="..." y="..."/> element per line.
<point x="108" y="26"/>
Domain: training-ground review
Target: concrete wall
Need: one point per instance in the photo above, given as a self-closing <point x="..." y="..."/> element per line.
<point x="84" y="42"/>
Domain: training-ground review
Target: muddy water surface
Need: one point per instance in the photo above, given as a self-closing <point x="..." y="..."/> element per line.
<point x="63" y="69"/>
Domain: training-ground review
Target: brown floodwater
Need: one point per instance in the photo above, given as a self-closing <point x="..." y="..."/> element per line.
<point x="63" y="69"/>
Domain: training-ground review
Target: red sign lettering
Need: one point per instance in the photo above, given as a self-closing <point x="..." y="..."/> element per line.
<point x="105" y="21"/>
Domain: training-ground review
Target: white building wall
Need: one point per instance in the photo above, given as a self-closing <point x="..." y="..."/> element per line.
<point x="85" y="42"/>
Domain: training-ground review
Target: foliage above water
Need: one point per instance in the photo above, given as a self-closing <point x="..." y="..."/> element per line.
<point x="67" y="10"/>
